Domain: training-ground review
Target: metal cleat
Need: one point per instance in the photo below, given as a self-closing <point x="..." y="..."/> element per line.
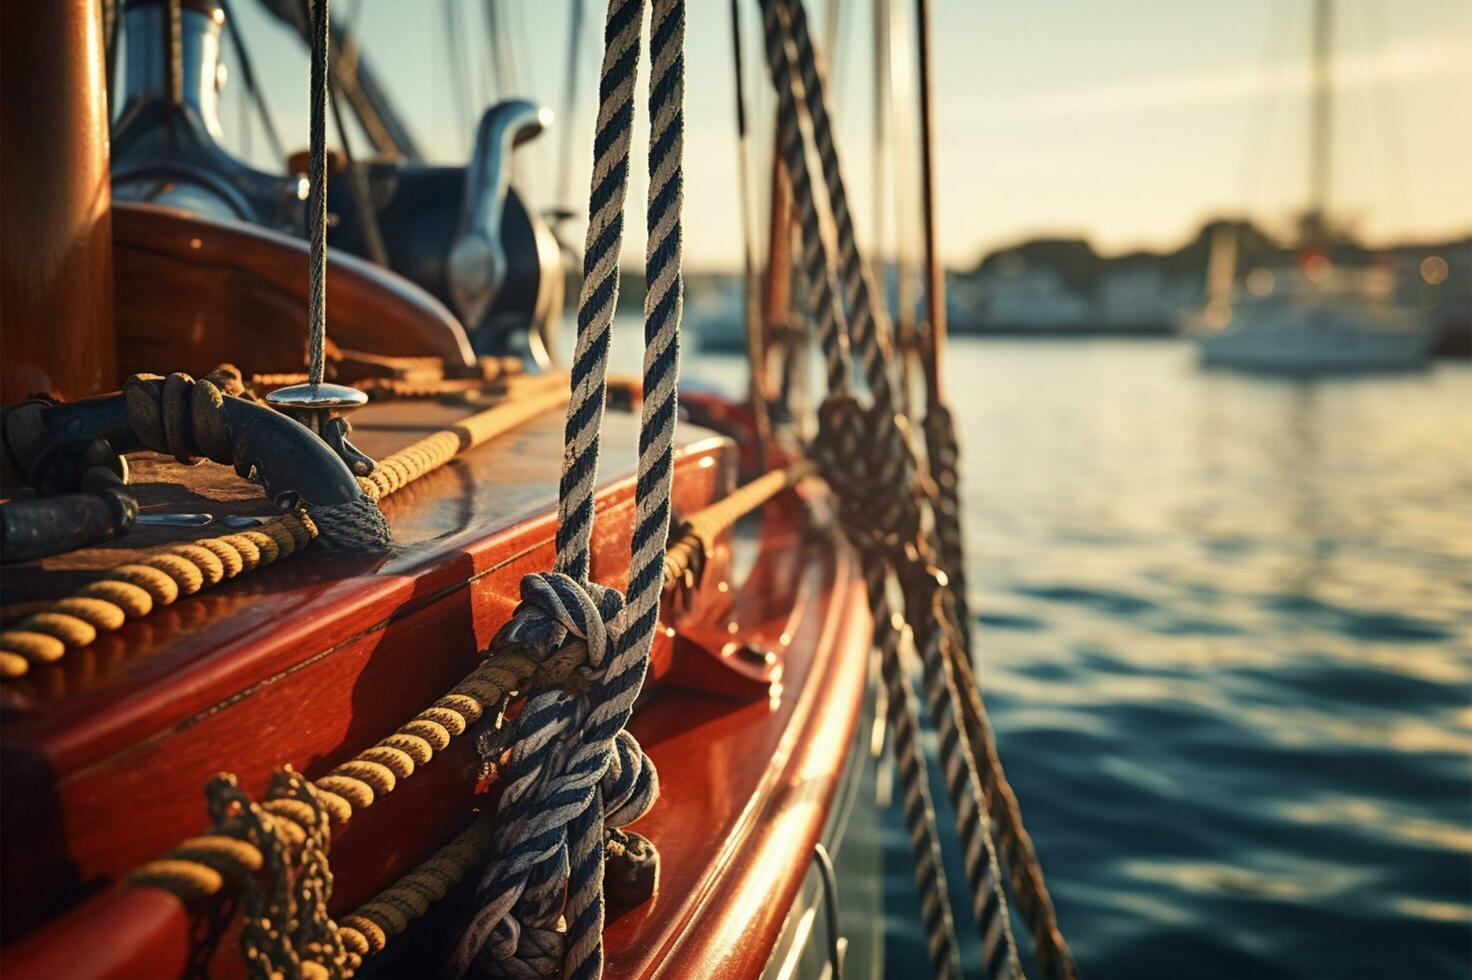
<point x="321" y="408"/>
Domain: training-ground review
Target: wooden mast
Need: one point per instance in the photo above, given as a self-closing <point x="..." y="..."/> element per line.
<point x="56" y="303"/>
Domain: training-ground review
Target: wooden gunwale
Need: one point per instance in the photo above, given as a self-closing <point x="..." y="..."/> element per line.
<point x="728" y="768"/>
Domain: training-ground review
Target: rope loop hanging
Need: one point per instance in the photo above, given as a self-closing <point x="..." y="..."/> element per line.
<point x="575" y="774"/>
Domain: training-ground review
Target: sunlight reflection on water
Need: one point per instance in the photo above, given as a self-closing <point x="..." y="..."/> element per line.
<point x="1226" y="638"/>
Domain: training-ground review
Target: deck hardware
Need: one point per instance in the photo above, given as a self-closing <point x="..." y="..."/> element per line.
<point x="321" y="408"/>
<point x="836" y="943"/>
<point x="175" y="520"/>
<point x="631" y="868"/>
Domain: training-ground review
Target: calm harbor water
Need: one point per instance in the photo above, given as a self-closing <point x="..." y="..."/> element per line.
<point x="1225" y="631"/>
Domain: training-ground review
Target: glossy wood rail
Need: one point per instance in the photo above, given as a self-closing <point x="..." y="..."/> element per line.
<point x="313" y="659"/>
<point x="193" y="293"/>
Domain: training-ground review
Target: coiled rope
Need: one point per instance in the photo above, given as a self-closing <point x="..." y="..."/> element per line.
<point x="575" y="772"/>
<point x="162" y="575"/>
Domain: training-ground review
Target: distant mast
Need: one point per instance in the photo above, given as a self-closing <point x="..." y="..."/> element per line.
<point x="1316" y="223"/>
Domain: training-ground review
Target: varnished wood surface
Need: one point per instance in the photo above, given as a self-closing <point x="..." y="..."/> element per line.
<point x="56" y="326"/>
<point x="193" y="293"/>
<point x="314" y="659"/>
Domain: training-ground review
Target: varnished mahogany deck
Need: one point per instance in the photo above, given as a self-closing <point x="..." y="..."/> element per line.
<point x="307" y="662"/>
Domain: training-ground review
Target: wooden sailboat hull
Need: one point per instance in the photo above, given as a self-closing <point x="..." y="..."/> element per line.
<point x="106" y="754"/>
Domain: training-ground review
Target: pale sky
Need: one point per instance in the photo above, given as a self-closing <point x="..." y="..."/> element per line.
<point x="1123" y="121"/>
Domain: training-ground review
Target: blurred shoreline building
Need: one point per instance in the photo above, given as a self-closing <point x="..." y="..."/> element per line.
<point x="1062" y="287"/>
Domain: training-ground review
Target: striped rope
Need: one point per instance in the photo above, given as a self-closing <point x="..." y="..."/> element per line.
<point x="1025" y="872"/>
<point x="964" y="785"/>
<point x="576" y="772"/>
<point x="883" y="491"/>
<point x="925" y="849"/>
<point x="868" y="323"/>
<point x="942" y="454"/>
<point x="816" y="265"/>
<point x="614" y="697"/>
<point x="599" y="295"/>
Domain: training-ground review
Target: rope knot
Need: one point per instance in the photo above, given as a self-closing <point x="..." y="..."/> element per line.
<point x="287" y="931"/>
<point x="559" y="614"/>
<point x="865" y="456"/>
<point x="181" y="416"/>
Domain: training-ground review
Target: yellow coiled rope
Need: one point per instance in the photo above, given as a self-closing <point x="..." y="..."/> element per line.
<point x="133" y="590"/>
<point x="170" y="571"/>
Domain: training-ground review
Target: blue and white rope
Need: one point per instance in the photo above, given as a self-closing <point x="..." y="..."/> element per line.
<point x="599" y="296"/>
<point x="575" y="770"/>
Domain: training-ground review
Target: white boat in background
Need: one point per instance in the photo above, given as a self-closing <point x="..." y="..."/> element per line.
<point x="1316" y="319"/>
<point x="1317" y="333"/>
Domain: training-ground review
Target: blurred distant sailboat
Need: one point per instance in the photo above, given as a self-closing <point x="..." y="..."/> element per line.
<point x="1315" y="318"/>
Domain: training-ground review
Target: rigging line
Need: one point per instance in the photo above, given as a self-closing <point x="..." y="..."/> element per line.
<point x="317" y="208"/>
<point x="935" y="278"/>
<point x="902" y="109"/>
<point x="251" y="85"/>
<point x="751" y="307"/>
<point x="110" y="21"/>
<point x="570" y="105"/>
<point x="458" y="79"/>
<point x="881" y="136"/>
<point x="881" y="153"/>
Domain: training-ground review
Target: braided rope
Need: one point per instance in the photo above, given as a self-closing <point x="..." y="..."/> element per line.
<point x="566" y="792"/>
<point x="135" y="589"/>
<point x="201" y="865"/>
<point x="964" y="783"/>
<point x="163" y="574"/>
<point x="697" y="533"/>
<point x="367" y="930"/>
<point x="925" y="849"/>
<point x="599" y="295"/>
<point x="868" y="322"/>
<point x="1025" y="871"/>
<point x="870" y="331"/>
<point x="816" y="267"/>
<point x="614" y="695"/>
<point x="942" y="455"/>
